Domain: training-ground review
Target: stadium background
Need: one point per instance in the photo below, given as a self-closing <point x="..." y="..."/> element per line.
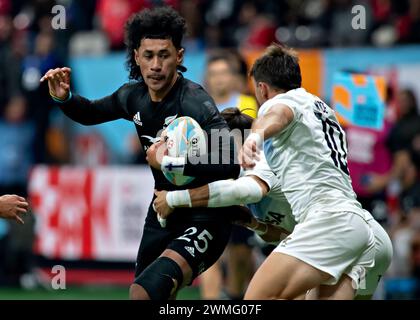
<point x="89" y="187"/>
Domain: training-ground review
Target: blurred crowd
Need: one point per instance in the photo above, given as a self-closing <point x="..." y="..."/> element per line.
<point x="385" y="170"/>
<point x="385" y="165"/>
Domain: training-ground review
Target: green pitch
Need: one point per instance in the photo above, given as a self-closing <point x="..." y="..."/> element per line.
<point x="83" y="293"/>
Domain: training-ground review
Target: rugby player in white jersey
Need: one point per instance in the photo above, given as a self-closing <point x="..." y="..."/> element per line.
<point x="332" y="245"/>
<point x="272" y="219"/>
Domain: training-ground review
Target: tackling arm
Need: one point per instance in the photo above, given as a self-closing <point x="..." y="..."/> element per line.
<point x="273" y="122"/>
<point x="222" y="193"/>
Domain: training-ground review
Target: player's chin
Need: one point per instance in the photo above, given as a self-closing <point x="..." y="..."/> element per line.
<point x="155" y="84"/>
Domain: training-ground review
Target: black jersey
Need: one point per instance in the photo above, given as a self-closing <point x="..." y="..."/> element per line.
<point x="133" y="103"/>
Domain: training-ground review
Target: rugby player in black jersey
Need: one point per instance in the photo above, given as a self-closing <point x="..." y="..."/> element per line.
<point x="194" y="238"/>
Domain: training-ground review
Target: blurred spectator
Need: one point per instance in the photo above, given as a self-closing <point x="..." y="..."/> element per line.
<point x="404" y="270"/>
<point x="41" y="12"/>
<point x="82" y="14"/>
<point x="5" y="7"/>
<point x="403" y="185"/>
<point x="222" y="74"/>
<point x="193" y="14"/>
<point x="241" y="71"/>
<point x="40" y="60"/>
<point x="368" y="154"/>
<point x="16" y="158"/>
<point x="113" y="15"/>
<point x="408" y="25"/>
<point x="401" y="235"/>
<point x="408" y="123"/>
<point x="9" y="66"/>
<point x="403" y="176"/>
<point x="256" y="29"/>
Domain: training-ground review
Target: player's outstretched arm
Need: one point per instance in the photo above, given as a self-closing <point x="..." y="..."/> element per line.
<point x="222" y="193"/>
<point x="12" y="206"/>
<point x="80" y="109"/>
<point x="273" y="122"/>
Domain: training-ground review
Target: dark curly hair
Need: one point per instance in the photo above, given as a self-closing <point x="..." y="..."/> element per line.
<point x="156" y="23"/>
<point x="237" y="120"/>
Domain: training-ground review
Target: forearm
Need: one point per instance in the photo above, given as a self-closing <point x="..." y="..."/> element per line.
<point x="268" y="232"/>
<point x="273" y="122"/>
<point x="401" y="164"/>
<point x="199" y="196"/>
<point x="215" y="171"/>
<point x="222" y="193"/>
<point x="90" y="112"/>
<point x="255" y="225"/>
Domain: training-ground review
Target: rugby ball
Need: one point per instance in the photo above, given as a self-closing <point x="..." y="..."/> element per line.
<point x="184" y="137"/>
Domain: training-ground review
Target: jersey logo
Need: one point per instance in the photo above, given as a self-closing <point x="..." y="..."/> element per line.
<point x="208" y="104"/>
<point x="168" y="120"/>
<point x="190" y="250"/>
<point x="137" y="119"/>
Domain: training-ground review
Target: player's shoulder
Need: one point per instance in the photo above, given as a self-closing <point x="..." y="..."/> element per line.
<point x="298" y="100"/>
<point x="130" y="87"/>
<point x="298" y="94"/>
<point x="193" y="96"/>
<point x="192" y="90"/>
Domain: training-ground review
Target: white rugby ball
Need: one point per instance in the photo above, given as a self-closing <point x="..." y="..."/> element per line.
<point x="184" y="137"/>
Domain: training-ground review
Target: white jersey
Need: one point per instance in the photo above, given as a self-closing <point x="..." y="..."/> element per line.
<point x="310" y="157"/>
<point x="273" y="208"/>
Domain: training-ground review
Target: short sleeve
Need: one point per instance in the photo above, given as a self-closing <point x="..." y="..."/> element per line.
<point x="284" y="99"/>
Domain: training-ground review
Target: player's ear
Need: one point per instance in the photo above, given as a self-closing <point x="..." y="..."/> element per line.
<point x="137" y="56"/>
<point x="264" y="90"/>
<point x="180" y="56"/>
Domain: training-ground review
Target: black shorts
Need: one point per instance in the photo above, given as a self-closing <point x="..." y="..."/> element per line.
<point x="201" y="243"/>
<point x="241" y="236"/>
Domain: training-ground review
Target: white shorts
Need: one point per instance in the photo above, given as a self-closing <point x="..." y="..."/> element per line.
<point x="334" y="242"/>
<point x="383" y="256"/>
